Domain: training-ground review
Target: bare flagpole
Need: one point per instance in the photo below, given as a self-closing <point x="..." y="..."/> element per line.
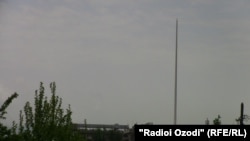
<point x="175" y="88"/>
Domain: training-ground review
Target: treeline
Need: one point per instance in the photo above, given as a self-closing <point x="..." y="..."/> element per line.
<point x="106" y="135"/>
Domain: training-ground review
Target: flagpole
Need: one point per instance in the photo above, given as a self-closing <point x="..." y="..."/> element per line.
<point x="175" y="88"/>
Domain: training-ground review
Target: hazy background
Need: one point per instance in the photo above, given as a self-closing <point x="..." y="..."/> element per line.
<point x="113" y="60"/>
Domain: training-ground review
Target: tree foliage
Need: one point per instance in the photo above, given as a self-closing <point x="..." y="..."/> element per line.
<point x="217" y="121"/>
<point x="5" y="133"/>
<point x="6" y="104"/>
<point x="106" y="135"/>
<point x="47" y="120"/>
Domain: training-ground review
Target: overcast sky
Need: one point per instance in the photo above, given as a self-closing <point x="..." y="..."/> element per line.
<point x="113" y="60"/>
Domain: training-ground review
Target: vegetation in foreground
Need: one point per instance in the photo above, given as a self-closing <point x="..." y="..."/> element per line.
<point x="45" y="121"/>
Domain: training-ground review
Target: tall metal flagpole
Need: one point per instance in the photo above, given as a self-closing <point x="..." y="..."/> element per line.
<point x="175" y="88"/>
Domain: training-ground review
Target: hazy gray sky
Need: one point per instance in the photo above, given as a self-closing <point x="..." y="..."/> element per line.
<point x="113" y="60"/>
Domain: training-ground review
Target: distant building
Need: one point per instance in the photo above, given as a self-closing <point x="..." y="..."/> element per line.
<point x="101" y="126"/>
<point x="88" y="130"/>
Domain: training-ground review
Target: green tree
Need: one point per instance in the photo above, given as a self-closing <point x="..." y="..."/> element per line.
<point x="5" y="133"/>
<point x="115" y="135"/>
<point x="106" y="135"/>
<point x="217" y="121"/>
<point x="47" y="120"/>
